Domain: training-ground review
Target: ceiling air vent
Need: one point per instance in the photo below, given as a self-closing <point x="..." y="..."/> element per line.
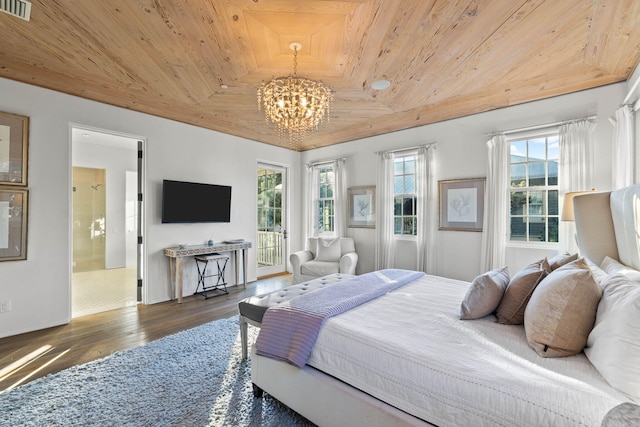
<point x="19" y="8"/>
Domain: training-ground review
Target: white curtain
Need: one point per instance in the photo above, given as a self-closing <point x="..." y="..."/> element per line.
<point x="576" y="171"/>
<point x="340" y="198"/>
<point x="623" y="148"/>
<point x="636" y="133"/>
<point x="384" y="207"/>
<point x="496" y="204"/>
<point x="426" y="204"/>
<point x="311" y="195"/>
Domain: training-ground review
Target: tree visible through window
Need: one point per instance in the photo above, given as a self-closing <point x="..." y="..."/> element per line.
<point x="326" y="202"/>
<point x="534" y="189"/>
<point x="269" y="200"/>
<point x="404" y="188"/>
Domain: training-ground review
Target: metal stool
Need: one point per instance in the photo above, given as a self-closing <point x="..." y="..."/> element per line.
<point x="202" y="262"/>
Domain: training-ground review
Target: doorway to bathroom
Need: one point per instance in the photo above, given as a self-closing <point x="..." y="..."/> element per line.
<point x="106" y="221"/>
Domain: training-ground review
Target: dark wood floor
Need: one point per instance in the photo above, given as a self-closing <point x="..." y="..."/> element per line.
<point x="26" y="357"/>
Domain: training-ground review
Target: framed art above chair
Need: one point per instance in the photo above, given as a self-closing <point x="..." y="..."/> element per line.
<point x="362" y="207"/>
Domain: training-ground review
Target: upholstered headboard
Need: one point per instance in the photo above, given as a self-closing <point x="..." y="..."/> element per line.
<point x="608" y="224"/>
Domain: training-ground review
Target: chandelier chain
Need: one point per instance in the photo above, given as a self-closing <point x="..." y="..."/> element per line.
<point x="295" y="61"/>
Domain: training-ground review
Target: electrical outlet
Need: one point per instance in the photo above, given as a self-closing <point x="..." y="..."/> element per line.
<point x="5" y="306"/>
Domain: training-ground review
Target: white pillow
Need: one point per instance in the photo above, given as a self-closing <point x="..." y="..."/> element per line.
<point x="613" y="346"/>
<point x="598" y="273"/>
<point x="329" y="250"/>
<point x="611" y="266"/>
<point x="625" y="205"/>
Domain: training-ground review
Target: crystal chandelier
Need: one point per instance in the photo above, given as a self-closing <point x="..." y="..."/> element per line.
<point x="295" y="105"/>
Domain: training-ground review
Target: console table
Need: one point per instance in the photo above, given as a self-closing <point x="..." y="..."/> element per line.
<point x="176" y="260"/>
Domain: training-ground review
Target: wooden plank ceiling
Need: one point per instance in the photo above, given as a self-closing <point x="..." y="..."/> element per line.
<point x="444" y="58"/>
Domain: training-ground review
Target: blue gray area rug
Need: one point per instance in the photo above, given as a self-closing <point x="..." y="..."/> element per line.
<point x="193" y="378"/>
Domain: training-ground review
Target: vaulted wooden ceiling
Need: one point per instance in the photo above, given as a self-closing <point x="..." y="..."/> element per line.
<point x="444" y="58"/>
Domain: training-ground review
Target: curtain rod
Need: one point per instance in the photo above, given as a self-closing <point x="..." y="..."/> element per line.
<point x="326" y="162"/>
<point x="548" y="125"/>
<point x="399" y="150"/>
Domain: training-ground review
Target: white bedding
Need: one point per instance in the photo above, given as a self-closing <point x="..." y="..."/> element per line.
<point x="401" y="349"/>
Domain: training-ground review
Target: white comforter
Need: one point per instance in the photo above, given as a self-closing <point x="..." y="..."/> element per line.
<point x="409" y="349"/>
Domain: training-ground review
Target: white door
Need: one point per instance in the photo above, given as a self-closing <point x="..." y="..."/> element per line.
<point x="272" y="233"/>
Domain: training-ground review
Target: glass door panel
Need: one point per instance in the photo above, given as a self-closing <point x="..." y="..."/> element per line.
<point x="271" y="220"/>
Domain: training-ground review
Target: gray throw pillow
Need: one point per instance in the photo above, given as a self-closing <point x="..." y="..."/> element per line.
<point x="484" y="294"/>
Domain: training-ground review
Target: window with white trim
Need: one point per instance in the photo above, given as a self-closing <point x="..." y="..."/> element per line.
<point x="404" y="190"/>
<point x="326" y="200"/>
<point x="533" y="187"/>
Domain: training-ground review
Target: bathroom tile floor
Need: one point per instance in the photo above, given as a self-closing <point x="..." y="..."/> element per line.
<point x="102" y="290"/>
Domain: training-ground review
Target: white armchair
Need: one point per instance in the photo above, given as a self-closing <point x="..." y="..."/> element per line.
<point x="324" y="256"/>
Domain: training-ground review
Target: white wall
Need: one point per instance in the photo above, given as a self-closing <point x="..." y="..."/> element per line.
<point x="131" y="219"/>
<point x="39" y="287"/>
<point x="462" y="153"/>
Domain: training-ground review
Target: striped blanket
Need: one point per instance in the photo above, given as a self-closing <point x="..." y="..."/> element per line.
<point x="289" y="330"/>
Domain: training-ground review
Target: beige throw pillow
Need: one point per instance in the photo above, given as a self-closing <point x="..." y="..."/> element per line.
<point x="561" y="259"/>
<point x="562" y="311"/>
<point x="329" y="250"/>
<point x="515" y="299"/>
<point x="484" y="294"/>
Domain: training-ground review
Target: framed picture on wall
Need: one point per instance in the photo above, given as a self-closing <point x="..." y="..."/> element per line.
<point x="13" y="224"/>
<point x="14" y="141"/>
<point x="462" y="204"/>
<point x="362" y="207"/>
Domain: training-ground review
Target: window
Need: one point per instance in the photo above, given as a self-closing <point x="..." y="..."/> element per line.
<point x="534" y="189"/>
<point x="404" y="189"/>
<point x="326" y="200"/>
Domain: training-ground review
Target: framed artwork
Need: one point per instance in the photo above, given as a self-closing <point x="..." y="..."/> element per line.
<point x="14" y="141"/>
<point x="13" y="224"/>
<point x="461" y="204"/>
<point x="362" y="207"/>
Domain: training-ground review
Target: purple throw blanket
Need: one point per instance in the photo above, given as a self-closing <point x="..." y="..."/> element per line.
<point x="289" y="330"/>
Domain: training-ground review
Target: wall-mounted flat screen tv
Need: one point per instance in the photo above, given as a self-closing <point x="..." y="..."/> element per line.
<point x="187" y="202"/>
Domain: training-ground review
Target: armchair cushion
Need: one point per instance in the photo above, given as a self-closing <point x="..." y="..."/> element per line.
<point x="329" y="250"/>
<point x="319" y="268"/>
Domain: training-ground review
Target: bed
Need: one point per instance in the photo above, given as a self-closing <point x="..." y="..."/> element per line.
<point x="407" y="358"/>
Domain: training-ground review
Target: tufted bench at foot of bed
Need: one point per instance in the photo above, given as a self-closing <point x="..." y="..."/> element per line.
<point x="252" y="309"/>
